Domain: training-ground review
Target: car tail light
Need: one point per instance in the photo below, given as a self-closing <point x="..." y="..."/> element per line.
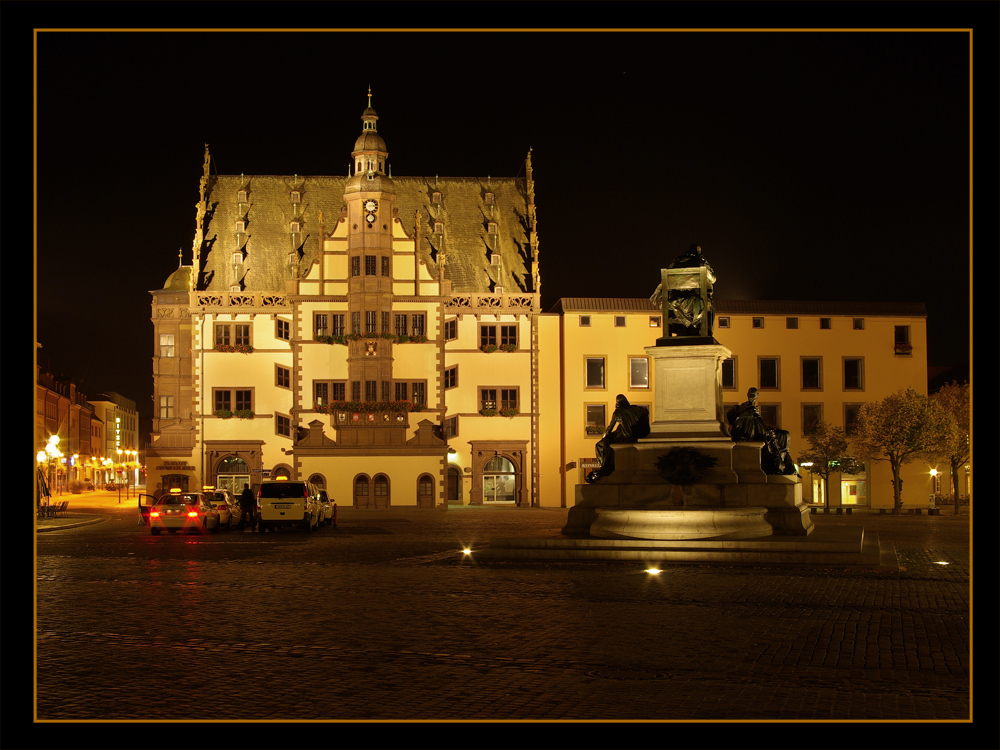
<point x="192" y="514"/>
<point x="154" y="514"/>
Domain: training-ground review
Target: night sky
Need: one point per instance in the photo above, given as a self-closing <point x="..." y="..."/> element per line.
<point x="808" y="165"/>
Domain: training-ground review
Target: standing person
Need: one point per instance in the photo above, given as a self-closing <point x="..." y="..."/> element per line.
<point x="247" y="507"/>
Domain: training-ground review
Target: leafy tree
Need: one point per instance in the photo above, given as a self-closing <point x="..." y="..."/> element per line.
<point x="955" y="399"/>
<point x="901" y="427"/>
<point x="828" y="449"/>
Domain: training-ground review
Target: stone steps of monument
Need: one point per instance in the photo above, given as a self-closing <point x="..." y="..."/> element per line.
<point x="842" y="547"/>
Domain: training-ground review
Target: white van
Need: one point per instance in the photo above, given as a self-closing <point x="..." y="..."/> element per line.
<point x="287" y="503"/>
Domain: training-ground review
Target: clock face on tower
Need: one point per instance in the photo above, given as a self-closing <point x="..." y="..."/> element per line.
<point x="371" y="206"/>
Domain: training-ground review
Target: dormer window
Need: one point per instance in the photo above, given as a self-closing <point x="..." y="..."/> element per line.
<point x="241" y="196"/>
<point x="495" y="259"/>
<point x="237" y="258"/>
<point x="438" y="227"/>
<point x="241" y="226"/>
<point x="436" y="197"/>
<point x="294" y="227"/>
<point x="296" y="196"/>
<point x="489" y="199"/>
<point x="491" y="227"/>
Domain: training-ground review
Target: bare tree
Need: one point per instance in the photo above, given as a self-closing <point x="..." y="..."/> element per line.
<point x="954" y="398"/>
<point x="901" y="427"/>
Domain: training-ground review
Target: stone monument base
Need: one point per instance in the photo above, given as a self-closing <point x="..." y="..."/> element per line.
<point x="832" y="546"/>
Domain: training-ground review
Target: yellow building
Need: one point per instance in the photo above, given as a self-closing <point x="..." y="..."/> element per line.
<point x="811" y="361"/>
<point x="382" y="336"/>
<point x="376" y="335"/>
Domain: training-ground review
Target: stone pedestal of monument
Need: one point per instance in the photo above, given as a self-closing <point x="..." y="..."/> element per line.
<point x="734" y="513"/>
<point x="733" y="499"/>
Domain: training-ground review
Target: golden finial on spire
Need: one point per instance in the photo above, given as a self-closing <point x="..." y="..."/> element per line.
<point x="369" y="96"/>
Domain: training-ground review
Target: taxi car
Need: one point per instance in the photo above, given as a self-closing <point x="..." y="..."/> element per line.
<point x="185" y="511"/>
<point x="225" y="503"/>
<point x="284" y="502"/>
<point x="328" y="514"/>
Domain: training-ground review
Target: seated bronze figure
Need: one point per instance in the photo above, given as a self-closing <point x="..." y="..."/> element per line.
<point x="628" y="424"/>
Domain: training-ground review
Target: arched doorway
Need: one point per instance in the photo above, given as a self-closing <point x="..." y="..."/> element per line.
<point x="380" y="487"/>
<point x="499" y="482"/>
<point x="231" y="474"/>
<point x="362" y="498"/>
<point x="454" y="489"/>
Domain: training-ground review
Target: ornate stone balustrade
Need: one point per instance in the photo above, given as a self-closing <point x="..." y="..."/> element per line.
<point x="241" y="300"/>
<point x="513" y="302"/>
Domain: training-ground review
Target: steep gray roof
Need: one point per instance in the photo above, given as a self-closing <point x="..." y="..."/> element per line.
<point x="268" y="242"/>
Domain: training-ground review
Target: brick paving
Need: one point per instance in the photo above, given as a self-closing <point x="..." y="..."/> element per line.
<point x="384" y="619"/>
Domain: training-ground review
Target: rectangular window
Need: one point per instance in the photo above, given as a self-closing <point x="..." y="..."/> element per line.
<point x="356" y="265"/>
<point x="221" y="336"/>
<point x="654" y="321"/>
<point x="282" y="329"/>
<point x="487" y="398"/>
<point x="768" y="373"/>
<point x="241" y="196"/>
<point x="401" y="391"/>
<point x="508" y="336"/>
<point x="638" y="368"/>
<point x="242" y="334"/>
<point x="386" y="390"/>
<point x="371" y="390"/>
<point x="769" y="413"/>
<point x="337" y="324"/>
<point x="619" y="321"/>
<point x="729" y="373"/>
<point x="854" y="375"/>
<point x="244" y="400"/>
<point x="370" y="265"/>
<point x="450" y="428"/>
<point x="487" y="336"/>
<point x="811" y="371"/>
<point x="851" y="418"/>
<point x="371" y="321"/>
<point x="223" y="401"/>
<point x="166" y="407"/>
<point x="166" y="344"/>
<point x="295" y="196"/>
<point x="859" y="324"/>
<point x="418" y="392"/>
<point x="758" y="322"/>
<point x="401" y="323"/>
<point x="508" y="398"/>
<point x="321" y="324"/>
<point x="385" y="322"/>
<point x="724" y="321"/>
<point x="901" y="334"/>
<point x="356" y="321"/>
<point x="451" y="377"/>
<point x="791" y="323"/>
<point x="812" y="415"/>
<point x="451" y="329"/>
<point x="282" y="377"/>
<point x="418" y="324"/>
<point x="595" y="419"/>
<point x="283" y="425"/>
<point x="584" y="321"/>
<point x="385" y="266"/>
<point x="321" y="394"/>
<point x="595" y="372"/>
<point x="825" y="324"/>
<point x="355" y="390"/>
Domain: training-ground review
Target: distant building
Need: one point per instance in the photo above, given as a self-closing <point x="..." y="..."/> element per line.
<point x="63" y="410"/>
<point x="382" y="336"/>
<point x="119" y="420"/>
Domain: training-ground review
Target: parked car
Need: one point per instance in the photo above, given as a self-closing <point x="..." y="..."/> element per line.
<point x="229" y="509"/>
<point x="327" y="506"/>
<point x="284" y="502"/>
<point x="187" y="511"/>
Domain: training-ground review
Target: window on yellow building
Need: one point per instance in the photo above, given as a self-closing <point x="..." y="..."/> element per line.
<point x="768" y="373"/>
<point x="854" y="373"/>
<point x="811" y="372"/>
<point x="595" y="372"/>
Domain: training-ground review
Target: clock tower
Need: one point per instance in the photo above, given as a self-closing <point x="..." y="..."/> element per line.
<point x="371" y="203"/>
